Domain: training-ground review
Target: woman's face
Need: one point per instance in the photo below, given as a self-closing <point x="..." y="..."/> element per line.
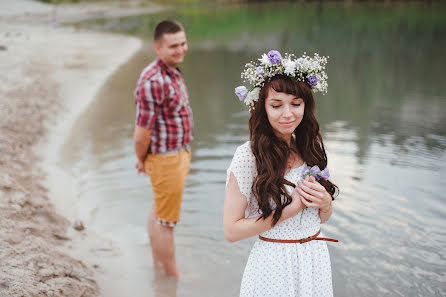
<point x="285" y="112"/>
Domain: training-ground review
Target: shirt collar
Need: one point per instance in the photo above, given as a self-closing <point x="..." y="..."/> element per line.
<point x="169" y="70"/>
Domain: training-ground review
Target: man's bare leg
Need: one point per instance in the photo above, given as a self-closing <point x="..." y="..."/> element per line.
<point x="151" y="230"/>
<point x="163" y="246"/>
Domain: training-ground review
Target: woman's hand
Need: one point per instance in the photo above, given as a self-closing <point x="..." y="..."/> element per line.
<point x="313" y="194"/>
<point x="295" y="206"/>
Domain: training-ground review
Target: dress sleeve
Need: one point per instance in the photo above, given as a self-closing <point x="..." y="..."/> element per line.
<point x="244" y="169"/>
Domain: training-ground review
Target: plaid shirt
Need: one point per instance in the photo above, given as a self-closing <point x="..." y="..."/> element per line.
<point x="162" y="105"/>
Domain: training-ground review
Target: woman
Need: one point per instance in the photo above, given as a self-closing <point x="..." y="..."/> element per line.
<point x="275" y="188"/>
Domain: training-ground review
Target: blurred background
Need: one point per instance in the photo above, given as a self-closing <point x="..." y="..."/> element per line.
<point x="383" y="123"/>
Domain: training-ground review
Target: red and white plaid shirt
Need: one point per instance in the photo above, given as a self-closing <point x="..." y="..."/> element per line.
<point x="162" y="105"/>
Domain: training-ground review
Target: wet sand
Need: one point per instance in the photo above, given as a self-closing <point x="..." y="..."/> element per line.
<point x="49" y="76"/>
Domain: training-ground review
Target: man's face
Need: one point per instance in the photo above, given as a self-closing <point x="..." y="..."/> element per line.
<point x="172" y="48"/>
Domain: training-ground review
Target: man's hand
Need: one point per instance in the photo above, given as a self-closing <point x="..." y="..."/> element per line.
<point x="141" y="141"/>
<point x="140" y="167"/>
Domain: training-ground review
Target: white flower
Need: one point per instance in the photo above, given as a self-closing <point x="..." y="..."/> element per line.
<point x="299" y="69"/>
<point x="252" y="97"/>
<point x="264" y="60"/>
<point x="289" y="67"/>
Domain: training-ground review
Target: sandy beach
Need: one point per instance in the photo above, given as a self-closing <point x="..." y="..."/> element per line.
<point x="50" y="73"/>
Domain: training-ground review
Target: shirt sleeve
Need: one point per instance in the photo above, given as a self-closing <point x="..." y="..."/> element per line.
<point x="148" y="98"/>
<point x="244" y="169"/>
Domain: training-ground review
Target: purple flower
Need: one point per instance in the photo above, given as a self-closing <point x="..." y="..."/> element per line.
<point x="241" y="92"/>
<point x="274" y="57"/>
<point x="259" y="71"/>
<point x="325" y="174"/>
<point x="312" y="79"/>
<point x="315" y="170"/>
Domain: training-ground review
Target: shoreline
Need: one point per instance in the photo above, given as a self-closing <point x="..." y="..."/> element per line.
<point x="87" y="244"/>
<point x="51" y="75"/>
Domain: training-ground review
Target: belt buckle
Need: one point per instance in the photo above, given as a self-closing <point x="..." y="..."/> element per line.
<point x="302" y="239"/>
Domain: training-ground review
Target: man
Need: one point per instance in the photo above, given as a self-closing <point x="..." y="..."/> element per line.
<point x="161" y="139"/>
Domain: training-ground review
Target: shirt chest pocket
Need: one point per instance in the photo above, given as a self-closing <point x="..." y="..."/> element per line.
<point x="176" y="99"/>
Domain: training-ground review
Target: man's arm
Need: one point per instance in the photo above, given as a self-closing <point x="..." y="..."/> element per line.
<point x="141" y="141"/>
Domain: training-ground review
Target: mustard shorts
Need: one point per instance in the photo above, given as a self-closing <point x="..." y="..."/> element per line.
<point x="168" y="176"/>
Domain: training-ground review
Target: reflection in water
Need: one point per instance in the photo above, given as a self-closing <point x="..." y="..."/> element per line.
<point x="163" y="286"/>
<point x="382" y="120"/>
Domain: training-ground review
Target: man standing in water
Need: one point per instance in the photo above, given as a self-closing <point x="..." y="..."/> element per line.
<point x="161" y="139"/>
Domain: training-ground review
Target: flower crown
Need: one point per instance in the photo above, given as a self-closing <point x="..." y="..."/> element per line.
<point x="306" y="69"/>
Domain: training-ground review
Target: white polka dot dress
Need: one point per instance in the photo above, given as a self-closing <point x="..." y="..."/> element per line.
<point x="282" y="269"/>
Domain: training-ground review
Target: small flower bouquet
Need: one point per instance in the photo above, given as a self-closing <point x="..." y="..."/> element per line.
<point x="318" y="174"/>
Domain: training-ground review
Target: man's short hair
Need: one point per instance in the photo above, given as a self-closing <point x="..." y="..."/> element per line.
<point x="166" y="27"/>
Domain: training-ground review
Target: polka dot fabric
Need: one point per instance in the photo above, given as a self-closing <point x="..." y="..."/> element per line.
<point x="282" y="269"/>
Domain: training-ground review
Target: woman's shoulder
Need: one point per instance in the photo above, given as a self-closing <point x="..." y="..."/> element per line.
<point x="244" y="150"/>
<point x="245" y="146"/>
<point x="243" y="154"/>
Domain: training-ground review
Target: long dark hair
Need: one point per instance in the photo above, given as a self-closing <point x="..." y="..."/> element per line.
<point x="271" y="152"/>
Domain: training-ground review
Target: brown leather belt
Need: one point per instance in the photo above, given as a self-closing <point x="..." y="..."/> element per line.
<point x="302" y="240"/>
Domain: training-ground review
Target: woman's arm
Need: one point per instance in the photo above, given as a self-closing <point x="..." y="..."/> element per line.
<point x="236" y="226"/>
<point x="325" y="214"/>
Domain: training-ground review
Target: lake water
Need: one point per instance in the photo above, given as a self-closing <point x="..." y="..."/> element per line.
<point x="383" y="122"/>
